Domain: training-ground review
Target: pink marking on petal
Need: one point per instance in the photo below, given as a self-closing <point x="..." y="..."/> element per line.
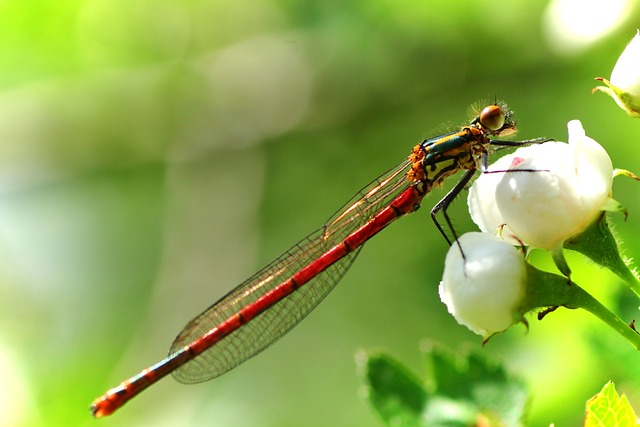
<point x="516" y="161"/>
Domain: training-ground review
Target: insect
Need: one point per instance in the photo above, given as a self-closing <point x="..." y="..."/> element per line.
<point x="270" y="303"/>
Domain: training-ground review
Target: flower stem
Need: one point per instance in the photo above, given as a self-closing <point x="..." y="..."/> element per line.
<point x="587" y="302"/>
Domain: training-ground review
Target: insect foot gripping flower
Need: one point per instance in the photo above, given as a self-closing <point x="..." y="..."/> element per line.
<point x="560" y="190"/>
<point x="624" y="86"/>
<point x="484" y="290"/>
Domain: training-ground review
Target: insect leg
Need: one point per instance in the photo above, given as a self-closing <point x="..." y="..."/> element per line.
<point x="443" y="204"/>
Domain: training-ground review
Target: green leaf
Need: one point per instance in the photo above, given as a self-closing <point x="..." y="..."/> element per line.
<point x="394" y="392"/>
<point x="464" y="390"/>
<point x="609" y="409"/>
<point x="485" y="384"/>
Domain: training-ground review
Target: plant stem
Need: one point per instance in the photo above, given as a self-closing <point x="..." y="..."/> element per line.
<point x="587" y="302"/>
<point x="545" y="289"/>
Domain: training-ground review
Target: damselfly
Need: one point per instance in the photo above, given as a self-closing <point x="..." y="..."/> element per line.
<point x="267" y="305"/>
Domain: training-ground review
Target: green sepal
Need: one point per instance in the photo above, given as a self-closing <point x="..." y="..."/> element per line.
<point x="624" y="172"/>
<point x="628" y="102"/>
<point x="557" y="254"/>
<point x="612" y="205"/>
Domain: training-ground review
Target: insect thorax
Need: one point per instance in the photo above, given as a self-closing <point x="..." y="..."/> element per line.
<point x="433" y="161"/>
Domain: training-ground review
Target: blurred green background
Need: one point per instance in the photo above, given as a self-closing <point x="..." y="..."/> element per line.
<point x="153" y="154"/>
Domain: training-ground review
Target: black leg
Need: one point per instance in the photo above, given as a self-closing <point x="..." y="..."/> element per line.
<point x="497" y="143"/>
<point x="443" y="204"/>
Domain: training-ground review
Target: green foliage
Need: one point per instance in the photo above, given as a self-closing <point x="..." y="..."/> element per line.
<point x="468" y="390"/>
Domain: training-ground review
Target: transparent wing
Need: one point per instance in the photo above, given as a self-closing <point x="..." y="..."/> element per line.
<point x="272" y="324"/>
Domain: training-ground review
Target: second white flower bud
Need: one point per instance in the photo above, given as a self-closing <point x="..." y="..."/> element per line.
<point x="484" y="289"/>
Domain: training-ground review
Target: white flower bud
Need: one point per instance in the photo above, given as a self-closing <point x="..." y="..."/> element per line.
<point x="626" y="72"/>
<point x="624" y="85"/>
<point x="484" y="291"/>
<point x="559" y="194"/>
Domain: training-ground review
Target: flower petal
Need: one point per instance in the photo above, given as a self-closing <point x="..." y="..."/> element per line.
<point x="626" y="72"/>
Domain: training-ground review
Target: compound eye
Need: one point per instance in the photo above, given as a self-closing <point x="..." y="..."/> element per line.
<point x="492" y="117"/>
